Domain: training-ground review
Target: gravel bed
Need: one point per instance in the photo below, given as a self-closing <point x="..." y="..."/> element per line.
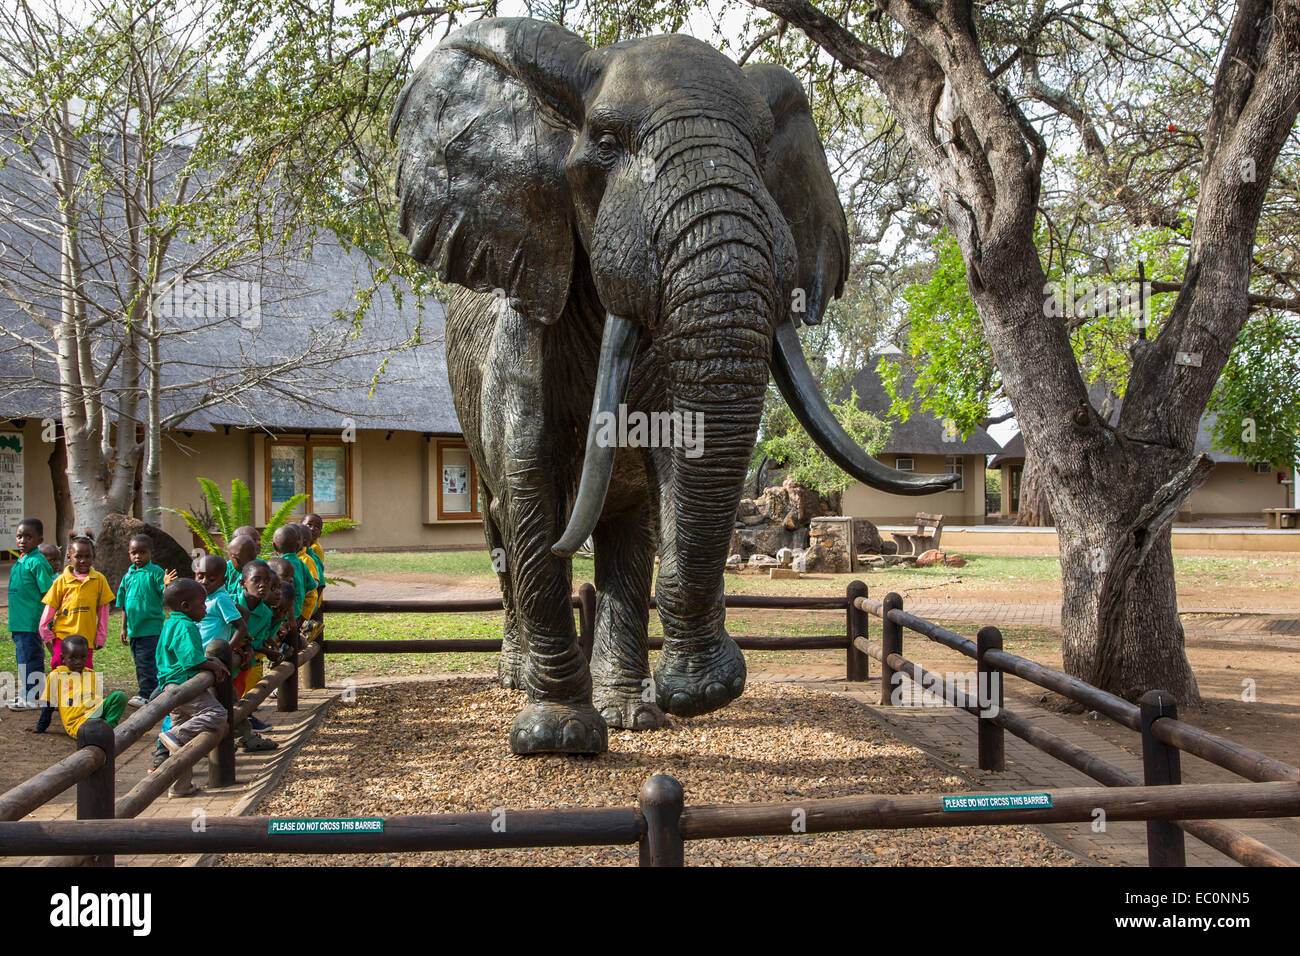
<point x="441" y="747"/>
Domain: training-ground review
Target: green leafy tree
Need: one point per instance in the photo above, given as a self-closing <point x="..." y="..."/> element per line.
<point x="1256" y="400"/>
<point x="808" y="464"/>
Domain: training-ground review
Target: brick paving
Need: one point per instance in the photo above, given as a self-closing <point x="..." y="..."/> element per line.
<point x="255" y="773"/>
<point x="948" y="736"/>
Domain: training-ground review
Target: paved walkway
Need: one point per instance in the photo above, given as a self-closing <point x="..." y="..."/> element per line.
<point x="948" y="736"/>
<point x="255" y="774"/>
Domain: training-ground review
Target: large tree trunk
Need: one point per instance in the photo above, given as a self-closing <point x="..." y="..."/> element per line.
<point x="1034" y="508"/>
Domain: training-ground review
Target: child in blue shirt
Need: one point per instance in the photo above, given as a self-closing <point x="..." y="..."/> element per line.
<point x="222" y="619"/>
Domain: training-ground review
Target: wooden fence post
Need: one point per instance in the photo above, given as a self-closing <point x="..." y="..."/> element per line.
<point x="221" y="760"/>
<point x="586" y="619"/>
<point x="891" y="642"/>
<point x="988" y="690"/>
<point x="97" y="794"/>
<point x="286" y="701"/>
<point x="855" y="625"/>
<point x="1161" y="764"/>
<point x="316" y="666"/>
<point x="661" y="805"/>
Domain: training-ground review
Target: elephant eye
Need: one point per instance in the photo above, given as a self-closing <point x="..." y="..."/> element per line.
<point x="607" y="147"/>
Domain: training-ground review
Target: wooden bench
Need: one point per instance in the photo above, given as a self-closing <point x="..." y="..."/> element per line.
<point x="920" y="541"/>
<point x="1278" y="518"/>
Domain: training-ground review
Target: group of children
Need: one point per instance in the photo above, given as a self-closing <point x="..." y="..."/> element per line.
<point x="260" y="608"/>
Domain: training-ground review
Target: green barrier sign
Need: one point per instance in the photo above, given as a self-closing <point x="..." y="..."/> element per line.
<point x="999" y="801"/>
<point x="348" y="825"/>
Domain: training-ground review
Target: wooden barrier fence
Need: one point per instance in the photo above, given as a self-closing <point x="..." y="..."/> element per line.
<point x="662" y="821"/>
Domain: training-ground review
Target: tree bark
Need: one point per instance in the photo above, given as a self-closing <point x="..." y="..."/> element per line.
<point x="63" y="511"/>
<point x="1034" y="509"/>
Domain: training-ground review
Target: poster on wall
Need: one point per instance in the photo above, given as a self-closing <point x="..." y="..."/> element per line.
<point x="283" y="475"/>
<point x="11" y="484"/>
<point x="455" y="479"/>
<point x="324" y="480"/>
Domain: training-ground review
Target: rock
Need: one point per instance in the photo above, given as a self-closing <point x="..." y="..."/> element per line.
<point x="746" y="508"/>
<point x="888" y="547"/>
<point x="800" y="564"/>
<point x="734" y="562"/>
<point x="800" y="539"/>
<point x="830" y="546"/>
<point x="783" y="574"/>
<point x="866" y="537"/>
<point x="751" y="521"/>
<point x="762" y="561"/>
<point x="764" y="540"/>
<point x="935" y="557"/>
<point x="785" y="556"/>
<point x="737" y="545"/>
<point x="112" y="551"/>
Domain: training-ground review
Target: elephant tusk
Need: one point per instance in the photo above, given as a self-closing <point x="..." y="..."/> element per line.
<point x="796" y="382"/>
<point x="617" y="346"/>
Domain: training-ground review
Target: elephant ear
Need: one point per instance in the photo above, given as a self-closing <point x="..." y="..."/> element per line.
<point x="796" y="174"/>
<point x="483" y="129"/>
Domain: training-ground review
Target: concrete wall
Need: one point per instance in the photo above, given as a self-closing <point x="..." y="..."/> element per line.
<point x="957" y="507"/>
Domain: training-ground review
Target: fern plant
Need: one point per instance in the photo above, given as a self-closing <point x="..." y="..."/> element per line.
<point x="227" y="516"/>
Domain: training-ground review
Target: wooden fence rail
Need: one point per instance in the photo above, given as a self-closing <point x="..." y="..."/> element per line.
<point x="662" y="822"/>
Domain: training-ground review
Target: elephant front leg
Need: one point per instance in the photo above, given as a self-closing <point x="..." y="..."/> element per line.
<point x="559" y="717"/>
<point x="511" y="662"/>
<point x="623" y="690"/>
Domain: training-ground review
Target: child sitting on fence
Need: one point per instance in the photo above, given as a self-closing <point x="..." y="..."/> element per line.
<point x="29" y="579"/>
<point x="77" y="602"/>
<point x="239" y="552"/>
<point x="317" y="525"/>
<point x="78" y="692"/>
<point x="284" y="640"/>
<point x="140" y="598"/>
<point x="180" y="657"/>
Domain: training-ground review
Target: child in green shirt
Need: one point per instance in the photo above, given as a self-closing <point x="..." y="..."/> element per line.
<point x="181" y="657"/>
<point x="140" y="596"/>
<point x="29" y="579"/>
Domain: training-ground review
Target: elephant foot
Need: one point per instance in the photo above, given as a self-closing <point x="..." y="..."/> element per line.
<point x="510" y="667"/>
<point x="688" y="684"/>
<point x="547" y="728"/>
<point x="629" y="709"/>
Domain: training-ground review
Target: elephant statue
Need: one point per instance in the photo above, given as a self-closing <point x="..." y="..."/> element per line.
<point x="634" y="233"/>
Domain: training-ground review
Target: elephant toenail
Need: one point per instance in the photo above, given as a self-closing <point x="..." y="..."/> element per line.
<point x="681" y="703"/>
<point x="575" y="735"/>
<point x="716" y="695"/>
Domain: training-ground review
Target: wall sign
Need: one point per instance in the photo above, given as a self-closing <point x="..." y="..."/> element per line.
<point x="11" y="485"/>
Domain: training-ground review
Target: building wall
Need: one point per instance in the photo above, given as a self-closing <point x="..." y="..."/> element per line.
<point x="389" y="486"/>
<point x="1234" y="490"/>
<point x="957" y="507"/>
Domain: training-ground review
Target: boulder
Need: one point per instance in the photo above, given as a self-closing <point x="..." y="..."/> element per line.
<point x="935" y="557"/>
<point x="800" y="540"/>
<point x="763" y="561"/>
<point x="888" y="547"/>
<point x="112" y="548"/>
<point x="766" y="540"/>
<point x="785" y="556"/>
<point x="866" y="537"/>
<point x="733" y="562"/>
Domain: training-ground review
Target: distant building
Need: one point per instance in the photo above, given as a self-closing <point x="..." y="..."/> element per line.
<point x="924" y="444"/>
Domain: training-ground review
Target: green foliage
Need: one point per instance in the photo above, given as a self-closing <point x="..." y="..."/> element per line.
<point x="1256" y="397"/>
<point x="808" y="464"/>
<point x="226" y="517"/>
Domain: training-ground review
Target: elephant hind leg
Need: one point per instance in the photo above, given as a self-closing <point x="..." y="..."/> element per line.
<point x="622" y="688"/>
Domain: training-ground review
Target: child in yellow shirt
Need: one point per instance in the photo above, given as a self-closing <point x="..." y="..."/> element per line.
<point x="77" y="602"/>
<point x="76" y="690"/>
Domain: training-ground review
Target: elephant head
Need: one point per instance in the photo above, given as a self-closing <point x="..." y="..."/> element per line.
<point x="696" y="194"/>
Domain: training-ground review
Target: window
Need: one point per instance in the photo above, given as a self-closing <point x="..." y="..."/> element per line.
<point x="457" y="483"/>
<point x="320" y="468"/>
<point x="953" y="466"/>
<point x="1262" y="468"/>
<point x="905" y="464"/>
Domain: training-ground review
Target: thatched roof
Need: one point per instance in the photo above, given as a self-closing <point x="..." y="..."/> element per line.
<point x="922" y="433"/>
<point x="300" y="294"/>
